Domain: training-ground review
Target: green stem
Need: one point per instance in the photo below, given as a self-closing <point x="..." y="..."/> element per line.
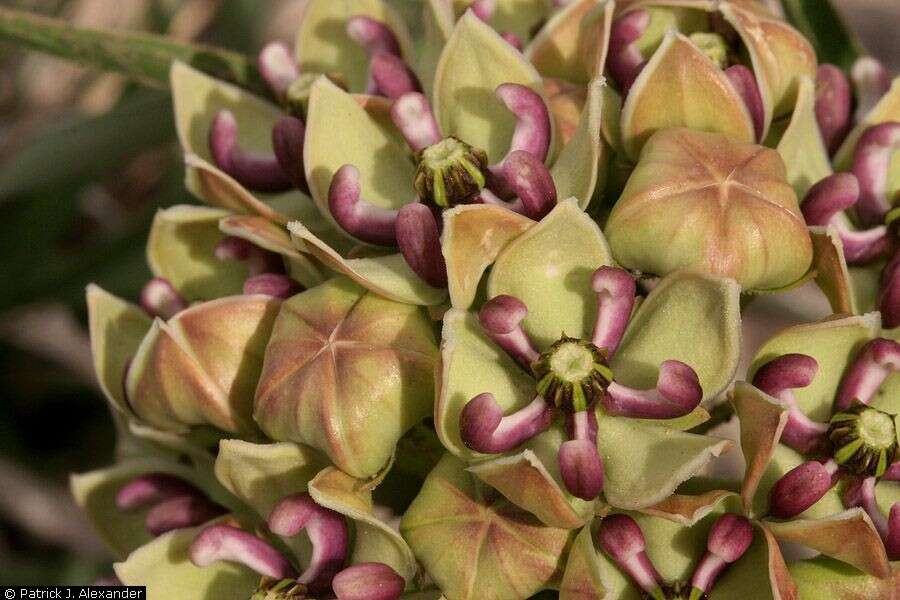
<point x="143" y="57"/>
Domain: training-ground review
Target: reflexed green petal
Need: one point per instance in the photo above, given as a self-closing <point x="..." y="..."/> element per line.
<point x="181" y="248"/>
<point x="556" y="51"/>
<point x="263" y="474"/>
<point x="824" y="577"/>
<point x="323" y="46"/>
<point x="437" y="22"/>
<point x="645" y="463"/>
<point x="117" y="328"/>
<point x="474" y="62"/>
<point x="833" y="344"/>
<point x="688" y="317"/>
<point x="582" y="579"/>
<point x="340" y="131"/>
<point x="470" y="365"/>
<point x="164" y="567"/>
<point x="549" y="268"/>
<point x="760" y="574"/>
<point x="801" y="146"/>
<point x="832" y="275"/>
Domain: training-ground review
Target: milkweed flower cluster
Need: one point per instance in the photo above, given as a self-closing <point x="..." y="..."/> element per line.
<point x="454" y="312"/>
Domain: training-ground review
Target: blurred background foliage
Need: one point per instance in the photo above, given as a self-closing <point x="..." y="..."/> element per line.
<point x="85" y="161"/>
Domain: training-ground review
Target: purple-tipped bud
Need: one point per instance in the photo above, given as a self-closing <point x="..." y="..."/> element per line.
<point x="677" y="393"/>
<point x="871" y="164"/>
<point x="484" y="9"/>
<point x="287" y="143"/>
<point x="272" y="284"/>
<point x="374" y="36"/>
<point x="501" y="317"/>
<point x="744" y="82"/>
<point x="615" y="290"/>
<point x="151" y="489"/>
<point x="258" y="260"/>
<point x="871" y="81"/>
<point x="412" y="115"/>
<point x="159" y="298"/>
<point x="255" y="171"/>
<point x="625" y="60"/>
<point x="326" y="530"/>
<point x="622" y="540"/>
<point x="420" y="243"/>
<point x="368" y="581"/>
<point x="892" y="541"/>
<point x="180" y="512"/>
<point x="532" y="132"/>
<point x="889" y="297"/>
<point x="224" y="542"/>
<point x="877" y="360"/>
<point x="834" y="100"/>
<point x="483" y="427"/>
<point x="729" y="538"/>
<point x="581" y="467"/>
<point x="778" y="378"/>
<point x="824" y="204"/>
<point x="801" y="487"/>
<point x="530" y="180"/>
<point x="391" y="76"/>
<point x="357" y="217"/>
<point x="277" y="68"/>
<point x="513" y="40"/>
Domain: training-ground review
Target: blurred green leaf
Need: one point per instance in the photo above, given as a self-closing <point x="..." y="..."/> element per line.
<point x="87" y="146"/>
<point x="142" y="56"/>
<point x="822" y="24"/>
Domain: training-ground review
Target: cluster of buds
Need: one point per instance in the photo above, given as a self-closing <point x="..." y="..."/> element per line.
<point x="456" y="320"/>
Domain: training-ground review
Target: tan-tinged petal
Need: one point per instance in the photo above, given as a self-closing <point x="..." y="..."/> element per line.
<point x="262" y="474"/>
<point x="556" y="50"/>
<point x="848" y="536"/>
<point x="164" y="567"/>
<point x="348" y="373"/>
<point x="473" y="236"/>
<point x="832" y="274"/>
<point x="801" y="145"/>
<point x="531" y="480"/>
<point x="202" y="366"/>
<point x="833" y="343"/>
<point x="688" y="317"/>
<point x="323" y="46"/>
<point x="779" y="53"/>
<point x="181" y="248"/>
<point x="576" y="171"/>
<point x="825" y="577"/>
<point x="549" y="268"/>
<point x="375" y="541"/>
<point x="474" y="62"/>
<point x="474" y="543"/>
<point x="275" y="238"/>
<point x="762" y="419"/>
<point x="737" y="215"/>
<point x="887" y="109"/>
<point x="583" y="579"/>
<point x="117" y="328"/>
<point x="566" y="103"/>
<point x="763" y="556"/>
<point x="687" y="509"/>
<point x="387" y="275"/>
<point x="644" y="464"/>
<point x="470" y="365"/>
<point x="217" y="188"/>
<point x="681" y="87"/>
